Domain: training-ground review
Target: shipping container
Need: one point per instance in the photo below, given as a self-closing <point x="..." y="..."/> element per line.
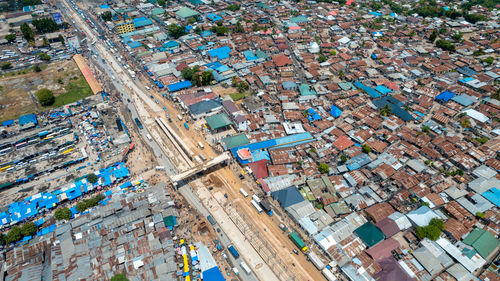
<point x="297" y="241"/>
<point x="256" y="206"/>
<point x="246" y="268"/>
<point x="233" y="251"/>
<point x="243" y="192"/>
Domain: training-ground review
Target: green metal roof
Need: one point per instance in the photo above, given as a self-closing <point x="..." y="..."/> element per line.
<point x="261" y="55"/>
<point x="370" y="234"/>
<point x="305" y="90"/>
<point x="235" y="141"/>
<point x="218" y="121"/>
<point x="299" y="19"/>
<point x="482" y="241"/>
<point x="170" y="221"/>
<point x="157" y="11"/>
<point x="186" y="12"/>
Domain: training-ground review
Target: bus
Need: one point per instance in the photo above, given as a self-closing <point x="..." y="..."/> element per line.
<point x="256" y="206"/>
<point x="245" y="268"/>
<point x="256" y="198"/>
<point x="243" y="192"/>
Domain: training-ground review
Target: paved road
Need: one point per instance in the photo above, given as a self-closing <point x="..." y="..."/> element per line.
<point x="170" y="169"/>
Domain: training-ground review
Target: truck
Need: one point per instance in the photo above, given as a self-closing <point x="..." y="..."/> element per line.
<point x="256" y="206"/>
<point x="160" y="168"/>
<point x="267" y="207"/>
<point x="246" y="268"/>
<point x="138" y="123"/>
<point x="131" y="72"/>
<point x="186" y="126"/>
<point x="201" y="145"/>
<point x="149" y="137"/>
<point x="297" y="241"/>
<point x="243" y="192"/>
<point x="233" y="251"/>
<point x="256" y="198"/>
<point x="235" y="270"/>
<point x="283" y="227"/>
<point x="179" y="116"/>
<point x="211" y="220"/>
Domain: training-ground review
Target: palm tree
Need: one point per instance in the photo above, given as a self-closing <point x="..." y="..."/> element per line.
<point x="385" y="111"/>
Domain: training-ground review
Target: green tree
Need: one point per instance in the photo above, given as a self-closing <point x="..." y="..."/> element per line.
<point x="431" y="231"/>
<point x="489" y="60"/>
<point x="2" y="239"/>
<point x="233" y="7"/>
<point x="238" y="28"/>
<point x="61" y="39"/>
<point x="433" y="36"/>
<point x="197" y="30"/>
<point x="426" y="129"/>
<point x="366" y="148"/>
<point x="28" y="229"/>
<point x="385" y="111"/>
<point x="412" y="33"/>
<point x="107" y="16"/>
<point x="161" y="3"/>
<point x="14" y="235"/>
<point x="220" y="30"/>
<point x="482" y="140"/>
<point x="343" y="158"/>
<point x="11" y="37"/>
<point x="480" y="215"/>
<point x="242" y="86"/>
<point x="445" y="45"/>
<point x="45" y="42"/>
<point x="323" y="168"/>
<point x="119" y="277"/>
<point x="458" y="36"/>
<point x="207" y="77"/>
<point x="473" y="18"/>
<point x="478" y="52"/>
<point x="81" y="206"/>
<point x="321" y="59"/>
<point x="6" y="65"/>
<point x="45" y="25"/>
<point x="28" y="33"/>
<point x="333" y="52"/>
<point x="176" y="30"/>
<point x="191" y="20"/>
<point x="62" y="214"/>
<point x="44" y="56"/>
<point x="92" y="178"/>
<point x="37" y="68"/>
<point x="465" y="123"/>
<point x="45" y="97"/>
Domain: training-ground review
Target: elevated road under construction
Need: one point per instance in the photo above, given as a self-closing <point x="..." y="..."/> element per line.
<point x="181" y="147"/>
<point x="221" y="158"/>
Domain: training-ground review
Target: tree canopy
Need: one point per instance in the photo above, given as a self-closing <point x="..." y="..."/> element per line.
<point x="107" y="16"/>
<point x="92" y="178"/>
<point x="44" y="56"/>
<point x="28" y="33"/>
<point x="11" y="37"/>
<point x="45" y="25"/>
<point x="445" y="45"/>
<point x="45" y="97"/>
<point x="28" y="229"/>
<point x="119" y="277"/>
<point x="323" y="168"/>
<point x="432" y="231"/>
<point x="176" y="30"/>
<point x="62" y="214"/>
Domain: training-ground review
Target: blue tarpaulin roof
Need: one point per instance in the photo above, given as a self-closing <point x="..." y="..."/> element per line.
<point x="335" y="111"/>
<point x="170" y="44"/>
<point x="179" y="86"/>
<point x="445" y="96"/>
<point x="312" y="115"/>
<point x="214" y="17"/>
<point x="28" y="118"/>
<point x="7" y="123"/>
<point x="213" y="274"/>
<point x="220" y="53"/>
<point x="383" y="89"/>
<point x="46" y="230"/>
<point x="125" y="185"/>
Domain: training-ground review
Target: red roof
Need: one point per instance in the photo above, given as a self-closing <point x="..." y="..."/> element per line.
<point x="383" y="249"/>
<point x="343" y="142"/>
<point x="282" y="60"/>
<point x="259" y="168"/>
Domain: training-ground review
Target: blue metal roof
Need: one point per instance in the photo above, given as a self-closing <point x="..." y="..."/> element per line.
<point x="134" y="44"/>
<point x="249" y="55"/>
<point x="445" y="96"/>
<point x="462" y="100"/>
<point x="220" y="53"/>
<point x="335" y="111"/>
<point x="142" y="21"/>
<point x="493" y="195"/>
<point x="383" y="89"/>
<point x="7" y="123"/>
<point x="214" y="17"/>
<point x="395" y="106"/>
<point x="204" y="106"/>
<point x="288" y="196"/>
<point x="179" y="86"/>
<point x="367" y="89"/>
<point x="466" y="71"/>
